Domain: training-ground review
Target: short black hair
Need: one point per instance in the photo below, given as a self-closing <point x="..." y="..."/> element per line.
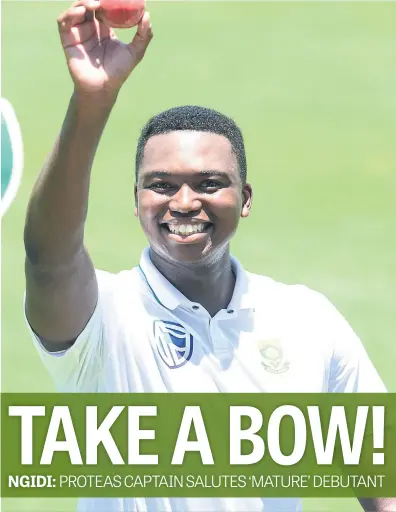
<point x="194" y="118"/>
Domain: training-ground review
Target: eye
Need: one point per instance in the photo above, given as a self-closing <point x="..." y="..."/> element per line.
<point x="160" y="186"/>
<point x="211" y="185"/>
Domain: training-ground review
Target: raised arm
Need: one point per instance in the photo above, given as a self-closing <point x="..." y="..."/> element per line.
<point x="61" y="287"/>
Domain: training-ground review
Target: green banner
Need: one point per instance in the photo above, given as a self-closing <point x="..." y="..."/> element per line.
<point x="198" y="445"/>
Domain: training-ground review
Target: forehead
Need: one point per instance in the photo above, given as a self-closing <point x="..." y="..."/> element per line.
<point x="188" y="150"/>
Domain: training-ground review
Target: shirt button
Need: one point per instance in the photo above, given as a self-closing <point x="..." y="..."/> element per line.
<point x="195" y="307"/>
<point x="230" y="311"/>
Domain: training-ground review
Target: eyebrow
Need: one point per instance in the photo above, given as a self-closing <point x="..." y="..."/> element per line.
<point x="167" y="174"/>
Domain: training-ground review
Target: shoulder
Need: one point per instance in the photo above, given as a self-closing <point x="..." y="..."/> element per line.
<point x="300" y="309"/>
<point x="117" y="284"/>
<point x="297" y="297"/>
<point x="298" y="306"/>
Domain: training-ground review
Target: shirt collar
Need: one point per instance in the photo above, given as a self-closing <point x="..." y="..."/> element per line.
<point x="170" y="297"/>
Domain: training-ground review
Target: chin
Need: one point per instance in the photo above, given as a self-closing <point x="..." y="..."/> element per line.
<point x="189" y="256"/>
<point x="194" y="256"/>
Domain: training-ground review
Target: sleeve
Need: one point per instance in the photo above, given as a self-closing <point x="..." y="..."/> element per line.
<point x="78" y="369"/>
<point x="351" y="370"/>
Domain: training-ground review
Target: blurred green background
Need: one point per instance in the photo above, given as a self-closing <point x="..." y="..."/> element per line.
<point x="313" y="87"/>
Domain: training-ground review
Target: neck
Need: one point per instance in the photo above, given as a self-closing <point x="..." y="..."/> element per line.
<point x="210" y="284"/>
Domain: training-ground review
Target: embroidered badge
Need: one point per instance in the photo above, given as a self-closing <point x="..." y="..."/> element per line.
<point x="272" y="356"/>
<point x="174" y="343"/>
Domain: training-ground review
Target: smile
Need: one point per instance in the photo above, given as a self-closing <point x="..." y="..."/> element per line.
<point x="187" y="229"/>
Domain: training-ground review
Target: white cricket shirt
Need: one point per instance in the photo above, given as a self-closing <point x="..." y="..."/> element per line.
<point x="145" y="336"/>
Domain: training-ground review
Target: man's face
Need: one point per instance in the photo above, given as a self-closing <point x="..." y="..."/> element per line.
<point x="189" y="195"/>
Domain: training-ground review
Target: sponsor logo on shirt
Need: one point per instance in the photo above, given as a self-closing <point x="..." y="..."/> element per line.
<point x="272" y="356"/>
<point x="174" y="343"/>
<point x="11" y="155"/>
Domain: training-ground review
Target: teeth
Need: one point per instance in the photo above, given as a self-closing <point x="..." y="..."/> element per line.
<point x="186" y="229"/>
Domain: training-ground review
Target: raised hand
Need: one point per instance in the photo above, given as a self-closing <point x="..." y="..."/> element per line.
<point x="97" y="60"/>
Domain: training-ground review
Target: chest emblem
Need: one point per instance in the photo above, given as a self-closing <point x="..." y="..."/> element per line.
<point x="272" y="356"/>
<point x="174" y="343"/>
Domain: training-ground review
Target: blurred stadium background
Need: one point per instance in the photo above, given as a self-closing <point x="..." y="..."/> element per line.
<point x="313" y="87"/>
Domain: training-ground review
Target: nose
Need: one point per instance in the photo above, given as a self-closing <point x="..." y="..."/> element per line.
<point x="185" y="201"/>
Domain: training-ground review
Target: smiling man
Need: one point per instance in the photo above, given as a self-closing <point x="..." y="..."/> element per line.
<point x="191" y="192"/>
<point x="188" y="318"/>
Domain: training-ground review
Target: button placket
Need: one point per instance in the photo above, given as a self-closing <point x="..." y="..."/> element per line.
<point x="221" y="345"/>
<point x="202" y="333"/>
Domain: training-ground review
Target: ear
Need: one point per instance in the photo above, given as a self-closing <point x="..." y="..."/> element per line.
<point x="247" y="194"/>
<point x="136" y="209"/>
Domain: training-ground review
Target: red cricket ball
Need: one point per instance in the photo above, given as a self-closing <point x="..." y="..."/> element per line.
<point x="122" y="13"/>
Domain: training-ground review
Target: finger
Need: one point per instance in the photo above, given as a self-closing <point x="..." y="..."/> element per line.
<point x="100" y="17"/>
<point x="73" y="16"/>
<point x="77" y="13"/>
<point x="142" y="38"/>
<point x="144" y="25"/>
<point x="90" y="5"/>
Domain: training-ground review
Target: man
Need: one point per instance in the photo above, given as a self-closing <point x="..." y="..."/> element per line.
<point x="189" y="318"/>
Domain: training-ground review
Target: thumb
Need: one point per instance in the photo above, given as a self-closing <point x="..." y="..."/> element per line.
<point x="142" y="38"/>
